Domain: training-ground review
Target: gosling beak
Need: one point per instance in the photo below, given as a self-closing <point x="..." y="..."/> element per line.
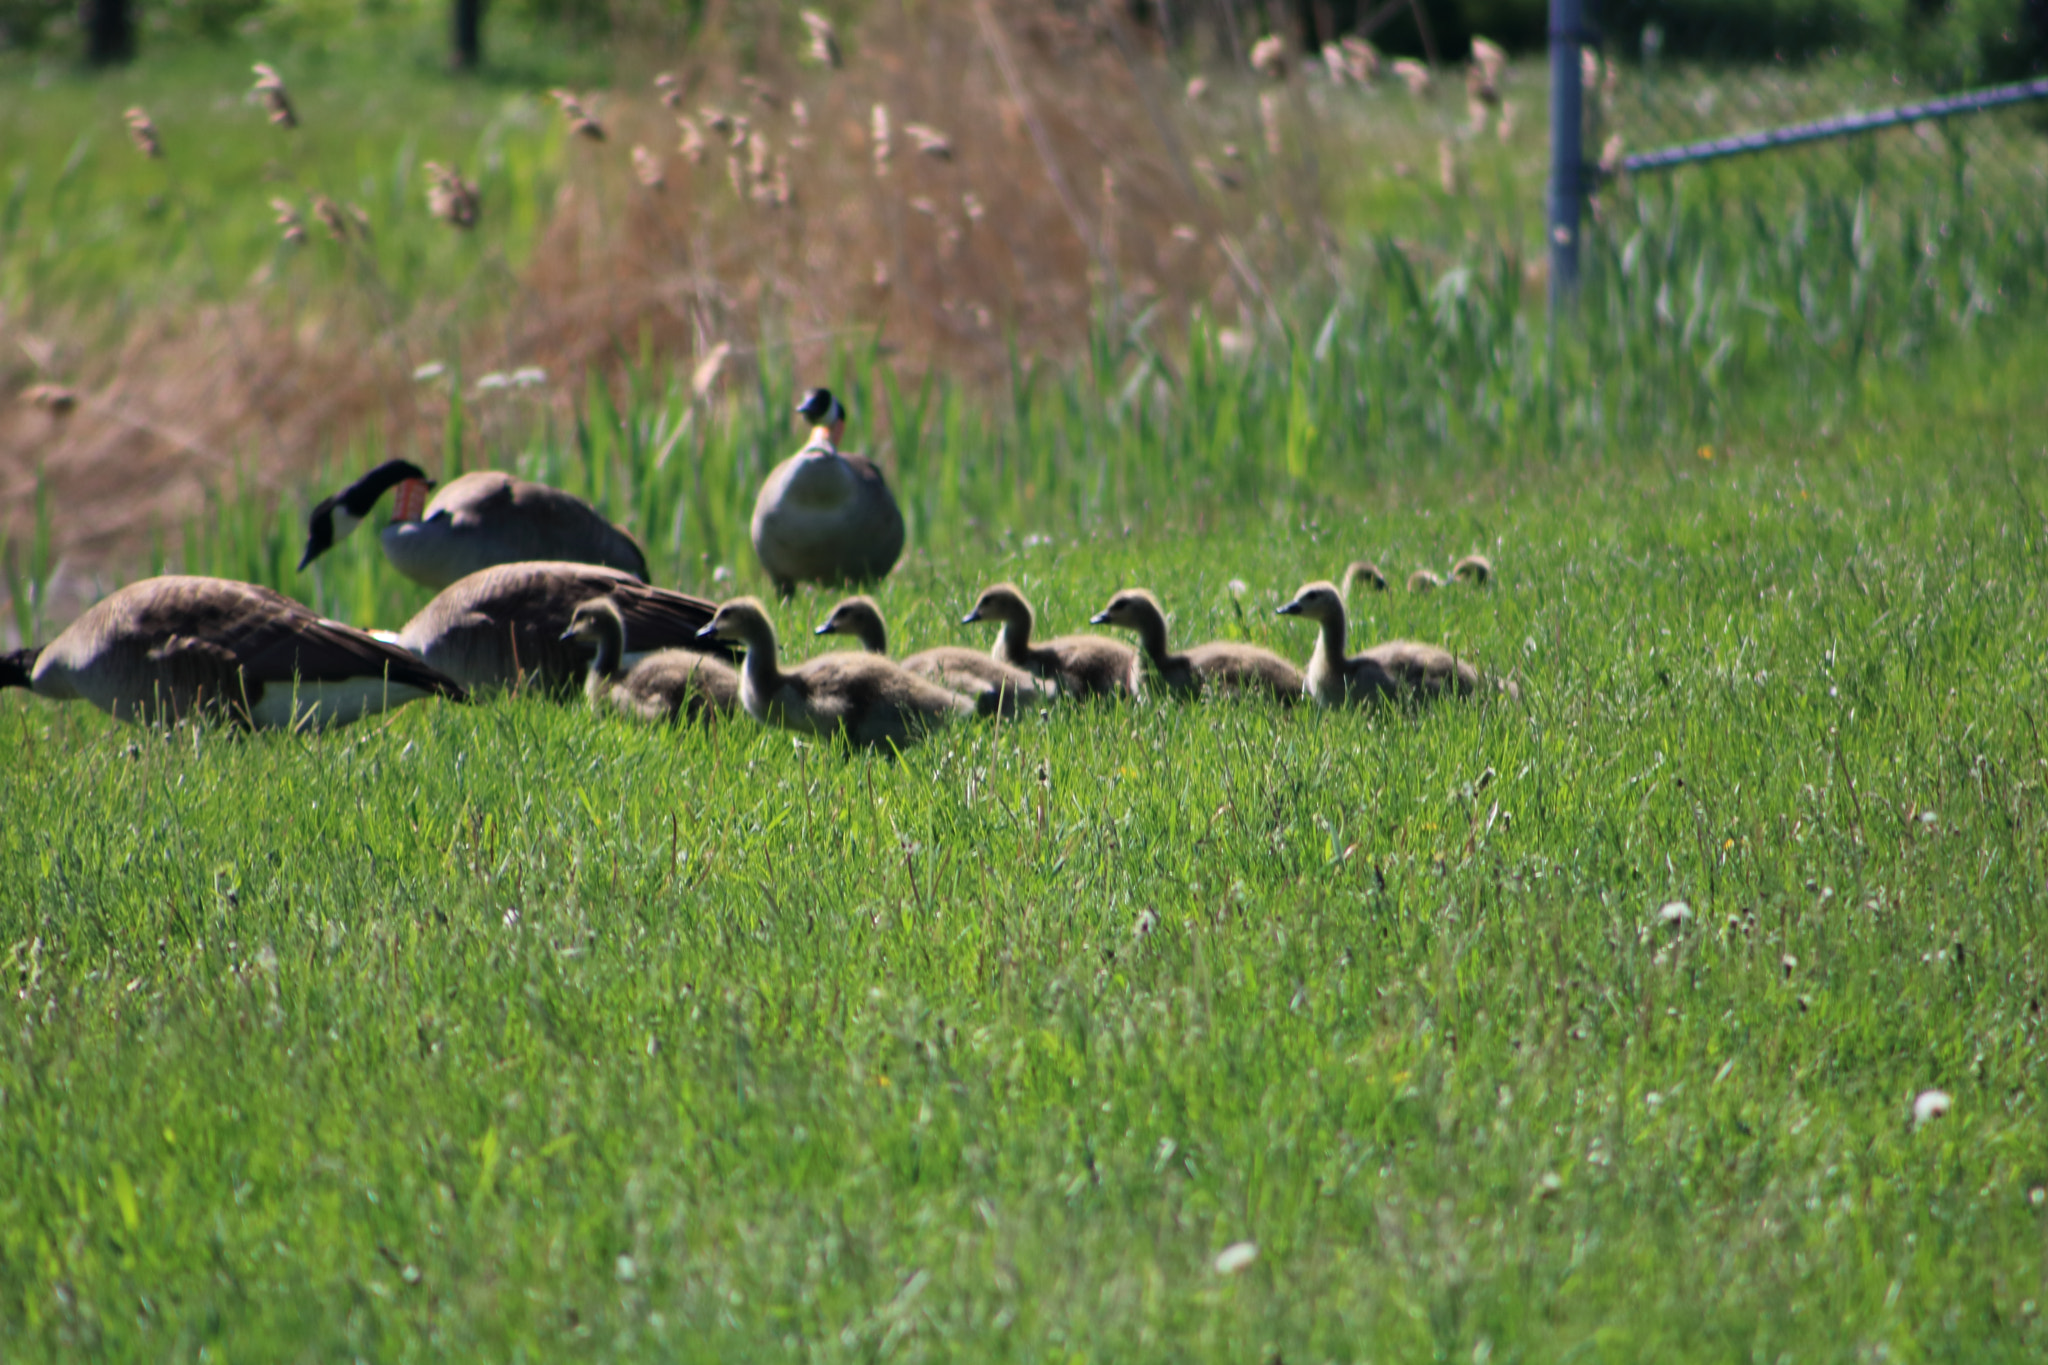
<point x="1291" y="609"/>
<point x="568" y="634"/>
<point x="825" y="629"/>
<point x="971" y="617"/>
<point x="1100" y="618"/>
<point x="709" y="632"/>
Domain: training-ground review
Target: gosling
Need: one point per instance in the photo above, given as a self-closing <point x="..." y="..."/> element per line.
<point x="1082" y="665"/>
<point x="666" y="685"/>
<point x="1366" y="572"/>
<point x="1473" y="570"/>
<point x="1222" y="666"/>
<point x="1396" y="669"/>
<point x="865" y="700"/>
<point x="997" y="688"/>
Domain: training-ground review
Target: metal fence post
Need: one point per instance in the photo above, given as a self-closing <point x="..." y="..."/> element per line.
<point x="1567" y="156"/>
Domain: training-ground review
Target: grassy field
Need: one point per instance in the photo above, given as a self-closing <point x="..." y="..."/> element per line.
<point x="1128" y="1033"/>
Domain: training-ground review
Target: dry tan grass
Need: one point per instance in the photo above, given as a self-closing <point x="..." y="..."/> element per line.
<point x="1031" y="164"/>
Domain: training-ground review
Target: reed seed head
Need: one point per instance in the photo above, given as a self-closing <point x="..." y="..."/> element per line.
<point x="1491" y="59"/>
<point x="277" y="101"/>
<point x="692" y="142"/>
<point x="55" y="399"/>
<point x="670" y="89"/>
<point x="647" y="168"/>
<point x="930" y="141"/>
<point x="142" y="133"/>
<point x="878" y="131"/>
<point x="290" y="225"/>
<point x="1362" y="57"/>
<point x="581" y="124"/>
<point x="1269" y="57"/>
<point x="452" y="199"/>
<point x="1198" y="87"/>
<point x="1415" y="76"/>
<point x="331" y="217"/>
<point x="824" y="42"/>
<point x="1269" y="121"/>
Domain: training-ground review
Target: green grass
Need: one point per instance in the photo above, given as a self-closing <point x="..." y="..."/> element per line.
<point x="505" y="1030"/>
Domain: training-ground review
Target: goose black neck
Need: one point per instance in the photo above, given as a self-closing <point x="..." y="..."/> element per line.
<point x="360" y="498"/>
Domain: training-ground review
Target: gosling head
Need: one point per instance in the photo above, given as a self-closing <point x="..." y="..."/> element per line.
<point x="1317" y="602"/>
<point x="1366" y="572"/>
<point x="333" y="518"/>
<point x="1422" y="580"/>
<point x="1002" y="603"/>
<point x="1475" y="570"/>
<point x="858" y="617"/>
<point x="822" y="410"/>
<point x="595" y="620"/>
<point x="1133" y="609"/>
<point x="743" y="619"/>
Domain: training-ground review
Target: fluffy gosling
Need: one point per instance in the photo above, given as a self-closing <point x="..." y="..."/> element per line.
<point x="866" y="700"/>
<point x="997" y="688"/>
<point x="1395" y="669"/>
<point x="1082" y="665"/>
<point x="1222" y="666"/>
<point x="667" y="685"/>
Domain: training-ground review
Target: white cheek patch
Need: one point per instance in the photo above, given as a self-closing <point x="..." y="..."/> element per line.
<point x="316" y="705"/>
<point x="344" y="522"/>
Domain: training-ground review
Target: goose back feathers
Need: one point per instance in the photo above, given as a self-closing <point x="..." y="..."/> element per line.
<point x="503" y="627"/>
<point x="179" y="647"/>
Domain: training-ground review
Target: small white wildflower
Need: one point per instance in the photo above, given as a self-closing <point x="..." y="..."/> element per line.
<point x="1236" y="1257"/>
<point x="492" y="382"/>
<point x="1238" y="587"/>
<point x="1674" y="913"/>
<point x="627" y="1269"/>
<point x="1929" y="1105"/>
<point x="528" y="377"/>
<point x="433" y="369"/>
<point x="511" y="919"/>
<point x="722" y="574"/>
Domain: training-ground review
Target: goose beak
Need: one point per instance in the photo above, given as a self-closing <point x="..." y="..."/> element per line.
<point x="709" y="632"/>
<point x="825" y="629"/>
<point x="971" y="617"/>
<point x="1100" y="618"/>
<point x="568" y="634"/>
<point x="1291" y="609"/>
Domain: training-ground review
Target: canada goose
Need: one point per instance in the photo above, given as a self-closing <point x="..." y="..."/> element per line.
<point x="1082" y="665"/>
<point x="1475" y="570"/>
<point x="1396" y="668"/>
<point x="669" y="684"/>
<point x="1366" y="572"/>
<point x="503" y="627"/>
<point x="477" y="521"/>
<point x="996" y="687"/>
<point x="1222" y="666"/>
<point x="167" y="649"/>
<point x="866" y="699"/>
<point x="822" y="516"/>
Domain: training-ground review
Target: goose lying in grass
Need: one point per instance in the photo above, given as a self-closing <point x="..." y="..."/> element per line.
<point x="479" y="520"/>
<point x="668" y="684"/>
<point x="822" y="516"/>
<point x="996" y="687"/>
<point x="1082" y="665"/>
<point x="1398" y="668"/>
<point x="176" y="648"/>
<point x="863" y="698"/>
<point x="1222" y="666"/>
<point x="503" y="627"/>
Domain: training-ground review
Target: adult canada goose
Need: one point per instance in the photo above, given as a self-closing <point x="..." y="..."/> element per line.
<point x="173" y="648"/>
<point x="996" y="687"/>
<point x="1221" y="666"/>
<point x="503" y="627"/>
<point x="669" y="684"/>
<point x="1366" y="572"/>
<point x="863" y="697"/>
<point x="477" y="521"/>
<point x="823" y="516"/>
<point x="1395" y="669"/>
<point x="1082" y="665"/>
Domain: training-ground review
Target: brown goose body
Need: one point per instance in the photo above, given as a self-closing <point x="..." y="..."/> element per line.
<point x="1223" y="666"/>
<point x="1398" y="668"/>
<point x="826" y="517"/>
<point x="502" y="627"/>
<point x="666" y="685"/>
<point x="1082" y="665"/>
<point x="997" y="688"/>
<point x="862" y="698"/>
<point x="178" y="647"/>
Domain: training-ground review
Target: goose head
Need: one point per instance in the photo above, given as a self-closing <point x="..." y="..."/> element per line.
<point x="860" y="618"/>
<point x="745" y="621"/>
<point x="333" y="518"/>
<point x="1476" y="570"/>
<point x="18" y="668"/>
<point x="824" y="412"/>
<point x="1133" y="609"/>
<point x="1317" y="601"/>
<point x="1366" y="572"/>
<point x="1002" y="603"/>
